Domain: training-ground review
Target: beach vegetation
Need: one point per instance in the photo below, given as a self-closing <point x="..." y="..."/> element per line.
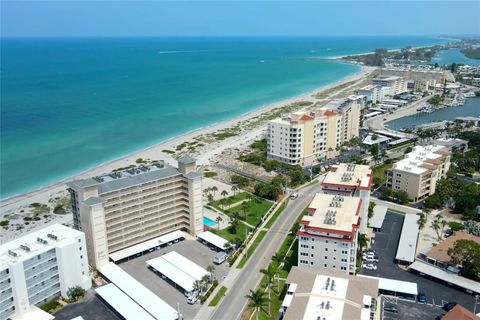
<point x="140" y="160"/>
<point x="4" y="223"/>
<point x="241" y="181"/>
<point x="210" y="174"/>
<point x="59" y="209"/>
<point x="124" y="168"/>
<point x="168" y="151"/>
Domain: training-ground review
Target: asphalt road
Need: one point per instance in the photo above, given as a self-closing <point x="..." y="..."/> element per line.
<point x="232" y="305"/>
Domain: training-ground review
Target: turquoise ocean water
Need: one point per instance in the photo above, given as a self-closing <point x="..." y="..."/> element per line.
<point x="70" y="104"/>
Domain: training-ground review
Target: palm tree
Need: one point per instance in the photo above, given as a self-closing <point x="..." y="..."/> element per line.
<point x="234" y="189"/>
<point x="214" y="189"/>
<point x="278" y="260"/>
<point x="197" y="285"/>
<point x="211" y="268"/>
<point x="436" y="225"/>
<point x="218" y="220"/>
<point x="270" y="272"/>
<point x="256" y="300"/>
<point x="245" y="207"/>
<point x="362" y="241"/>
<point x="224" y="193"/>
<point x="422" y="219"/>
<point x="205" y="280"/>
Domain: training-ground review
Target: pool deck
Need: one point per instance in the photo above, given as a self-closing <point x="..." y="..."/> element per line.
<point x="212" y="215"/>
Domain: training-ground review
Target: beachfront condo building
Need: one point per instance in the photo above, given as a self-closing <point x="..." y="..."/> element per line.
<point x="422" y="79"/>
<point x="351" y="180"/>
<point x="418" y="173"/>
<point x="374" y="93"/>
<point x="130" y="206"/>
<point x="395" y="85"/>
<point x="302" y="138"/>
<point x="327" y="238"/>
<point x="329" y="294"/>
<point x="41" y="266"/>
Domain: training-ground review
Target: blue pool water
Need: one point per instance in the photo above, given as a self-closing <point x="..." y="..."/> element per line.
<point x="209" y="222"/>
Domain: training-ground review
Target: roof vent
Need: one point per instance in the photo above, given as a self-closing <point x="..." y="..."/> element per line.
<point x="52" y="236"/>
<point x="24" y="247"/>
<point x="12" y="253"/>
<point x="42" y="241"/>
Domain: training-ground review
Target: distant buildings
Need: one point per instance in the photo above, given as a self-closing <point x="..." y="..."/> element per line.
<point x="421" y="79"/>
<point x="301" y="138"/>
<point x="395" y="84"/>
<point x="419" y="172"/>
<point x="39" y="267"/>
<point x="374" y="93"/>
<point x="314" y="294"/>
<point x="328" y="234"/>
<point x="130" y="206"/>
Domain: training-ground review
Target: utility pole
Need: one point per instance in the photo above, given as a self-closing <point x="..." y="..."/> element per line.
<point x="178" y="311"/>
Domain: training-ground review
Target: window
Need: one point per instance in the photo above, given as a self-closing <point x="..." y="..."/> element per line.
<point x="326" y="249"/>
<point x="325" y="265"/>
<point x="326" y="258"/>
<point x="312" y="255"/>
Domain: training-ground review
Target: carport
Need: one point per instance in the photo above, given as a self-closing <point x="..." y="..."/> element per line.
<point x="396" y="288"/>
<point x="407" y="245"/>
<point x="148" y="245"/>
<point x="213" y="239"/>
<point x="376" y="221"/>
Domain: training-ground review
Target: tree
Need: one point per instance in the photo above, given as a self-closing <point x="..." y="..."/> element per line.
<point x="210" y="269"/>
<point x="362" y="241"/>
<point x="205" y="280"/>
<point x="234" y="189"/>
<point x="422" y="219"/>
<point x="371" y="205"/>
<point x="245" y="206"/>
<point x="278" y="260"/>
<point x="270" y="273"/>
<point x="197" y="285"/>
<point x="214" y="189"/>
<point x="374" y="151"/>
<point x="467" y="254"/>
<point x="256" y="300"/>
<point x="224" y="193"/>
<point x="75" y="293"/>
<point x="218" y="220"/>
<point x="210" y="198"/>
<point x="401" y="196"/>
<point x="456" y="226"/>
<point x="436" y="226"/>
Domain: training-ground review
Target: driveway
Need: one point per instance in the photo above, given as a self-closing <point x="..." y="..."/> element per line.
<point x="386" y="243"/>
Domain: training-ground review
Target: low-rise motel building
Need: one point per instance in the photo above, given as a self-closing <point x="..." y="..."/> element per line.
<point x="127" y="207"/>
<point x="329" y="294"/>
<point x="327" y="238"/>
<point x="418" y="173"/>
<point x="41" y="266"/>
<point x="302" y="138"/>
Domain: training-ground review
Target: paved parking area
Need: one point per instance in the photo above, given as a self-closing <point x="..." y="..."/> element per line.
<point x="386" y="243"/>
<point x="192" y="250"/>
<point x="91" y="308"/>
<point x="411" y="310"/>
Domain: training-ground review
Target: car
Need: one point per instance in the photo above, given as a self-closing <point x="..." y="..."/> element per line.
<point x="449" y="306"/>
<point x="294" y="196"/>
<point x="369" y="266"/>
<point x="192" y="299"/>
<point x="370" y="259"/>
<point x="422" y="298"/>
<point x="391" y="309"/>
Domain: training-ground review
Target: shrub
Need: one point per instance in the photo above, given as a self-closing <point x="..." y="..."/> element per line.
<point x="209" y="292"/>
<point x="59" y="209"/>
<point x="4" y="223"/>
<point x="210" y="174"/>
<point x="455" y="226"/>
<point x="50" y="306"/>
<point x="75" y="293"/>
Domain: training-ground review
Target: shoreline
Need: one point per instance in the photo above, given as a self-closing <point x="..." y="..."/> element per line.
<point x="155" y="150"/>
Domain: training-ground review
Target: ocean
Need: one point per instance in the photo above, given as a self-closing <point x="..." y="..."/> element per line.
<point x="70" y="104"/>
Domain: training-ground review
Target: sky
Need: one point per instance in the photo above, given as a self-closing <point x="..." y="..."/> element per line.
<point x="65" y="18"/>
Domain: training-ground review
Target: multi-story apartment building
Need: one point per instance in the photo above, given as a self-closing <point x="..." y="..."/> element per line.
<point x="396" y="84"/>
<point x="417" y="174"/>
<point x="422" y="79"/>
<point x="374" y="93"/>
<point x="127" y="207"/>
<point x="302" y="138"/>
<point x="328" y="294"/>
<point x="39" y="267"/>
<point x="351" y="180"/>
<point x="328" y="234"/>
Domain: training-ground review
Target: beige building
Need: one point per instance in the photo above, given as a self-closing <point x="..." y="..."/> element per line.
<point x="422" y="79"/>
<point x="327" y="294"/>
<point x="303" y="137"/>
<point x="328" y="235"/>
<point x="127" y="207"/>
<point x="396" y="84"/>
<point x="419" y="172"/>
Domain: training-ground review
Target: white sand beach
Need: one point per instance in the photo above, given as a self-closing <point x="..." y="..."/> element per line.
<point x="205" y="155"/>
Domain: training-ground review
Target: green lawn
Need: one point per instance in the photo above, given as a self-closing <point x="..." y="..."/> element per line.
<point x="234" y="199"/>
<point x="225" y="233"/>
<point x="275" y="215"/>
<point x="380" y="174"/>
<point x="220" y="294"/>
<point x="256" y="210"/>
<point x="252" y="248"/>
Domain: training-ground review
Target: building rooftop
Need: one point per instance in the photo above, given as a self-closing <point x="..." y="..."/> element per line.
<point x="439" y="252"/>
<point x="451" y="143"/>
<point x="328" y="294"/>
<point x="369" y="87"/>
<point x="36" y="242"/>
<point x="386" y="78"/>
<point x="421" y="159"/>
<point x="126" y="178"/>
<point x="186" y="160"/>
<point x="332" y="212"/>
<point x="460" y="313"/>
<point x="349" y="175"/>
<point x="407" y="245"/>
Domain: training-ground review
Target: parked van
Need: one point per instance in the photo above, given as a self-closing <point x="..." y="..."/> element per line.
<point x="219" y="257"/>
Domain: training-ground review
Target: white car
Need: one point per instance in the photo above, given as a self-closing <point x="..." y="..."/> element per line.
<point x="294" y="196"/>
<point x="192" y="299"/>
<point x="370" y="259"/>
<point x="369" y="266"/>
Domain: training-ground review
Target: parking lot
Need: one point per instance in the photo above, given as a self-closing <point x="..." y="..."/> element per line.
<point x="91" y="308"/>
<point x="190" y="249"/>
<point x="385" y="245"/>
<point x="411" y="310"/>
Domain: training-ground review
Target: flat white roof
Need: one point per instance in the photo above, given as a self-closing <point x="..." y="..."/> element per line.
<point x="370" y="141"/>
<point x="444" y="275"/>
<point x="414" y="160"/>
<point x="122" y="303"/>
<point x="146" y="245"/>
<point x="189" y="267"/>
<point x="407" y="245"/>
<point x="395" y="285"/>
<point x="378" y="217"/>
<point x="287" y="300"/>
<point x="173" y="273"/>
<point x="138" y="292"/>
<point x="212" y="238"/>
<point x="34" y="313"/>
<point x="372" y="114"/>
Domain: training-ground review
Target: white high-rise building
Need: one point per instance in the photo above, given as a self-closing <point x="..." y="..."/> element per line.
<point x="41" y="266"/>
<point x="127" y="207"/>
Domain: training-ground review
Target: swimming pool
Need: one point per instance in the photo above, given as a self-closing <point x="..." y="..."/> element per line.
<point x="209" y="222"/>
